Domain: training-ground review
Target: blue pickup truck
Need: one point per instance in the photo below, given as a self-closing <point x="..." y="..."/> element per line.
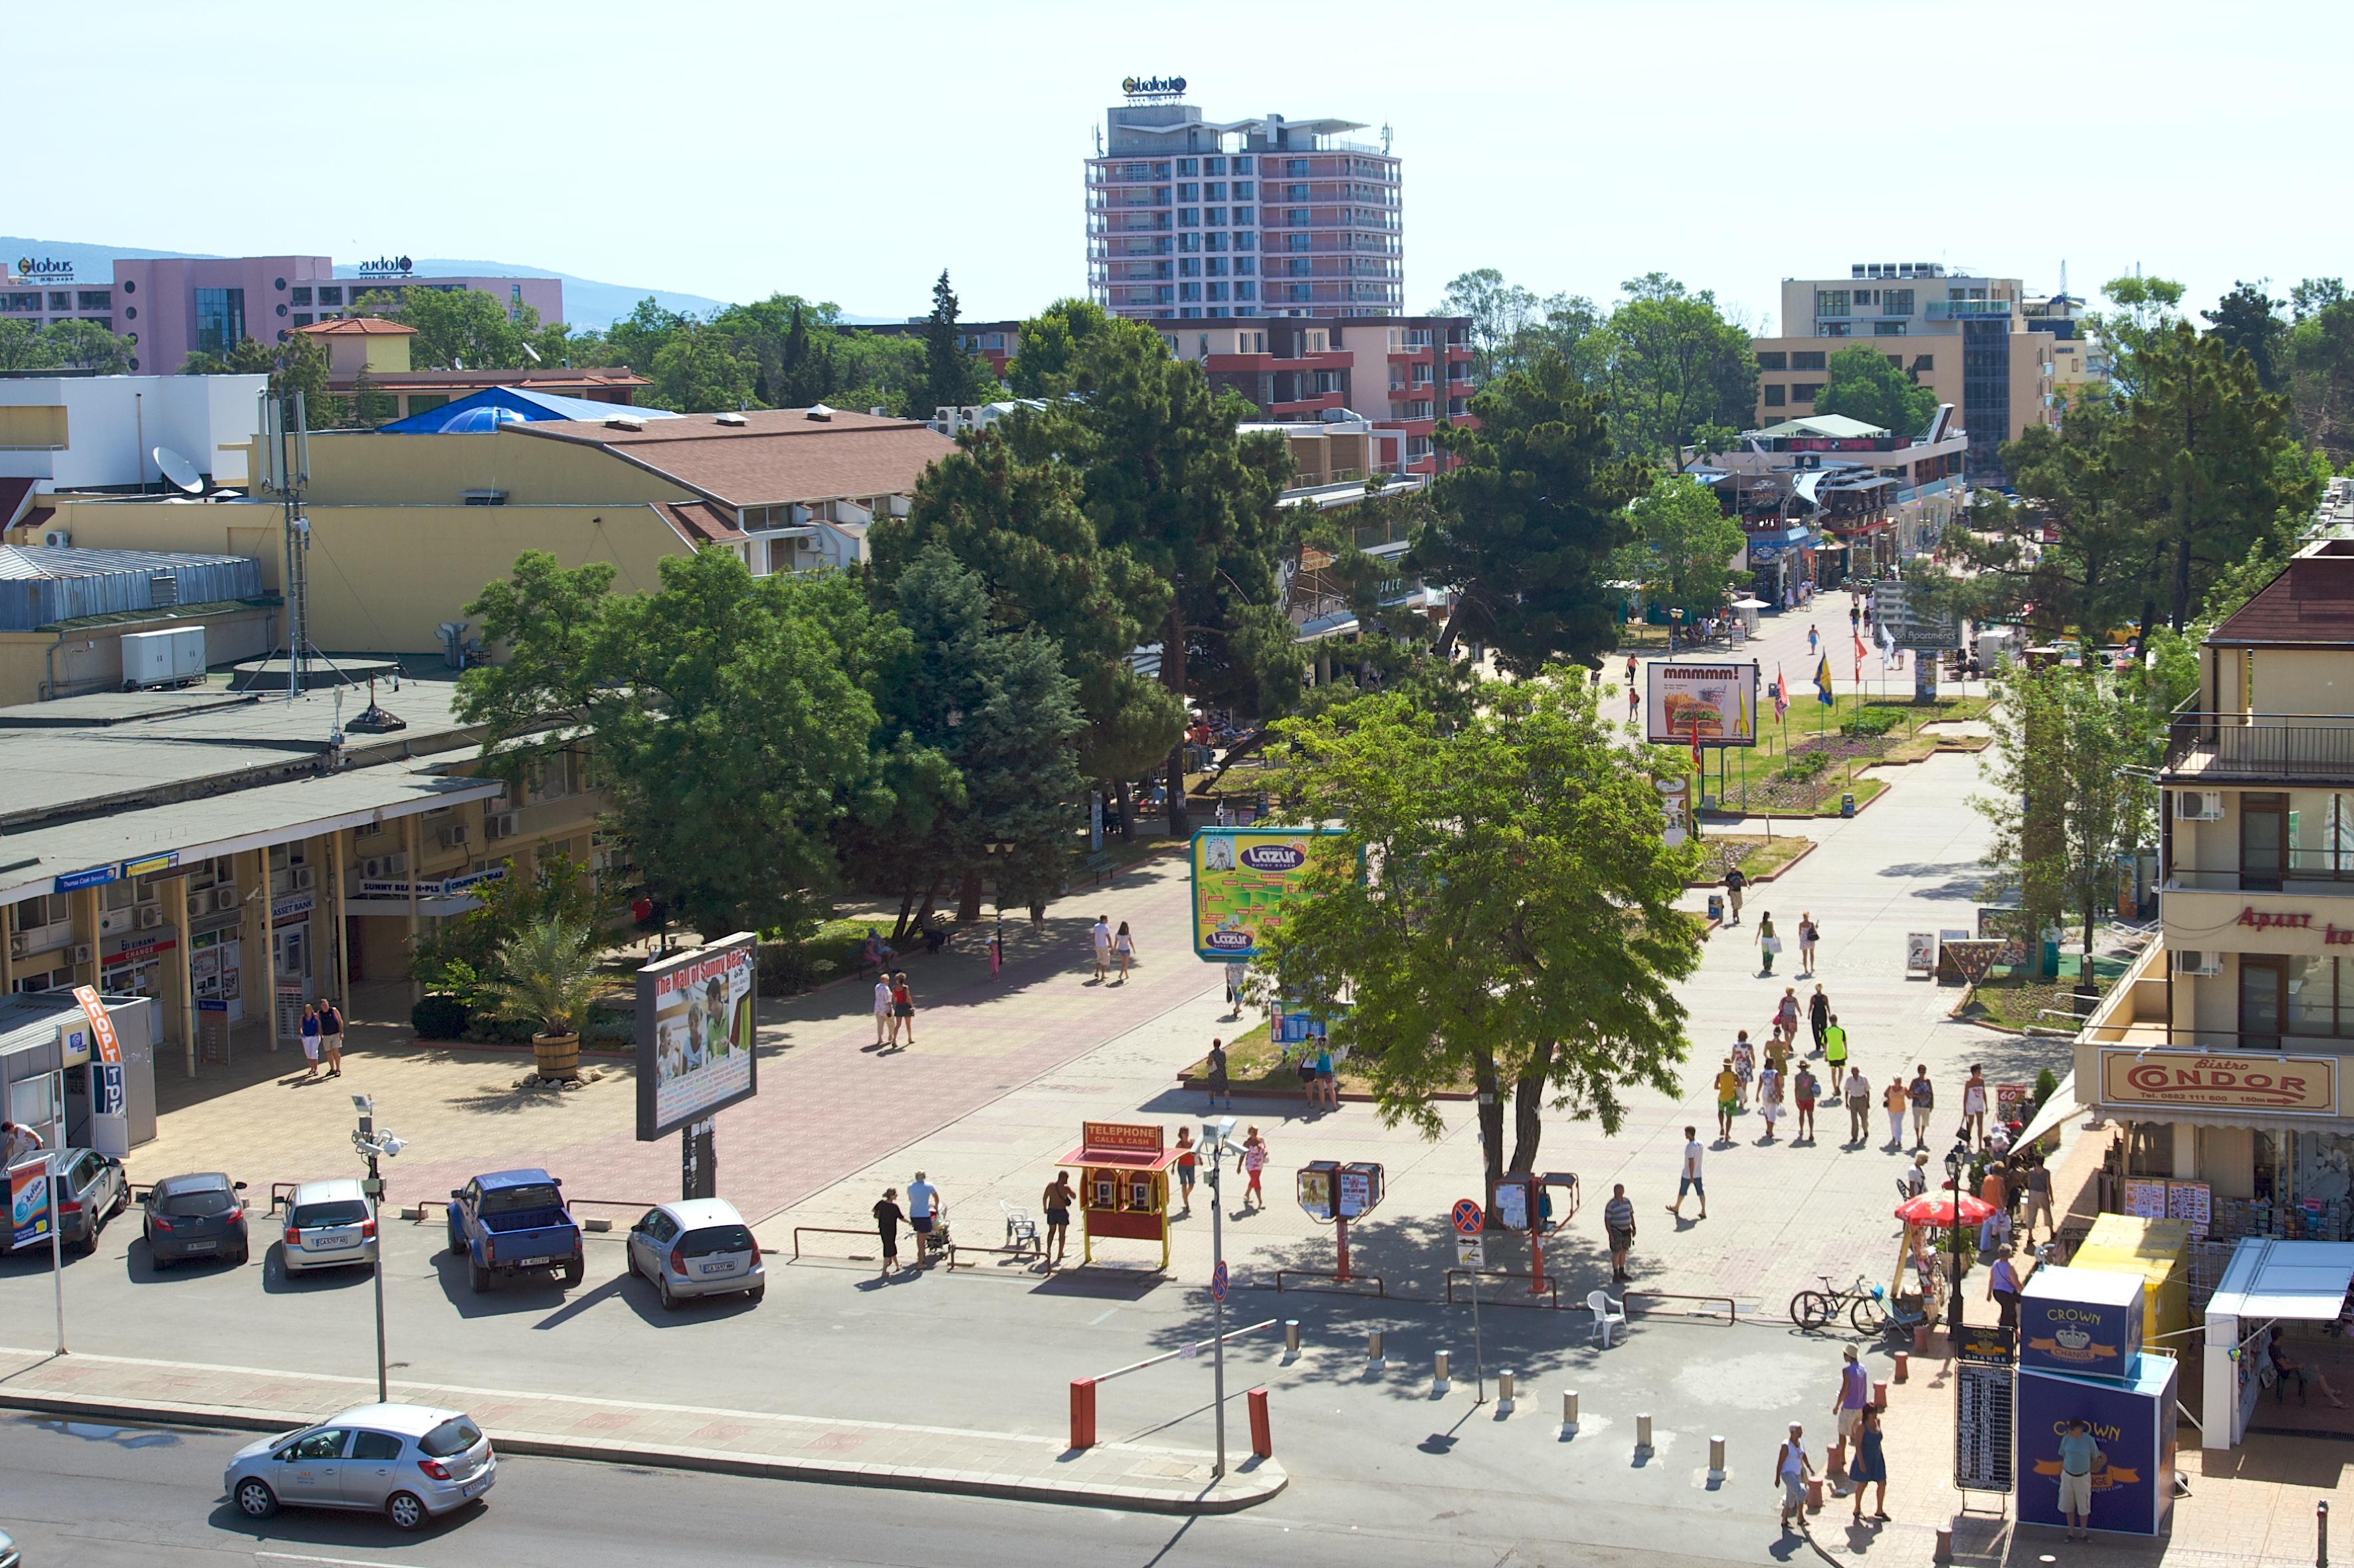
<point x="515" y="1222"/>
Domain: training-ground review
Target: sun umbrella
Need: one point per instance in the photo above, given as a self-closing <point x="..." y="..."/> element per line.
<point x="1936" y="1209"/>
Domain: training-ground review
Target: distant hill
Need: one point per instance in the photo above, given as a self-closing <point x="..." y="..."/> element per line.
<point x="589" y="303"/>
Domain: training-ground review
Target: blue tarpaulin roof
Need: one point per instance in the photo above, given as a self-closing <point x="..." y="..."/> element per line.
<point x="496" y="406"/>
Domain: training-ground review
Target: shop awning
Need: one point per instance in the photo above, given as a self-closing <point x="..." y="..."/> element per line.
<point x="2292" y="1281"/>
<point x="2062" y="1105"/>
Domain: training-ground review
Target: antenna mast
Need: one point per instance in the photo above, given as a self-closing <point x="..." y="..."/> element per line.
<point x="286" y="436"/>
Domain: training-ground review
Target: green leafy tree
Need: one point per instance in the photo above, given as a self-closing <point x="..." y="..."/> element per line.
<point x="952" y="378"/>
<point x="731" y="717"/>
<point x="457" y="329"/>
<point x="1676" y="372"/>
<point x="1684" y="546"/>
<point x="1048" y="362"/>
<point x="2144" y="307"/>
<point x="1865" y="384"/>
<point x="2247" y="320"/>
<point x="1499" y="313"/>
<point x="1525" y="525"/>
<point x="547" y="975"/>
<point x="2319" y="350"/>
<point x="66" y="344"/>
<point x="1499" y="909"/>
<point x="697" y="372"/>
<point x="459" y="955"/>
<point x="1166" y="477"/>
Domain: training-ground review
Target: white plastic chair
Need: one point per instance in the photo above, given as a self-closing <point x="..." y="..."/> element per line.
<point x="1021" y="1230"/>
<point x="1606" y="1312"/>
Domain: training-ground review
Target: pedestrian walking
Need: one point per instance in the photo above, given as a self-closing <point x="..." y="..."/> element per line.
<point x="311" y="1040"/>
<point x="1814" y="640"/>
<point x="1689" y="1181"/>
<point x="923" y="1211"/>
<point x="2039" y="1201"/>
<point x="1769" y="1099"/>
<point x="1634" y="704"/>
<point x="1234" y="973"/>
<point x="1100" y="938"/>
<point x="1618" y="1225"/>
<point x="1854" y="1396"/>
<point x="1768" y="944"/>
<point x="1893" y="1100"/>
<point x="1213" y="1078"/>
<point x="903" y="1010"/>
<point x="882" y="1009"/>
<point x="2002" y="1287"/>
<point x="1803" y="1090"/>
<point x="1056" y="1204"/>
<point x="887" y="1220"/>
<point x="1924" y="1096"/>
<point x="1793" y="1468"/>
<point x="1974" y="1106"/>
<point x="1778" y="1054"/>
<point x="1328" y="1082"/>
<point x="2079" y="1457"/>
<point x="1630" y="671"/>
<point x="1834" y="1047"/>
<point x="1867" y="1467"/>
<point x="1123" y="947"/>
<point x="1729" y="1088"/>
<point x="1994" y="1236"/>
<point x="1187" y="1156"/>
<point x="1254" y="1165"/>
<point x="1857" y="1093"/>
<point x="1819" y="1016"/>
<point x="1915" y="1180"/>
<point x="1991" y="1188"/>
<point x="1735" y="879"/>
<point x="1744" y="1069"/>
<point x="1809" y="935"/>
<point x="330" y="1036"/>
<point x="1785" y="1013"/>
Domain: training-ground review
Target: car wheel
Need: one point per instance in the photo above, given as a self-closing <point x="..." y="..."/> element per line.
<point x="405" y="1511"/>
<point x="121" y="1201"/>
<point x="669" y="1301"/>
<point x="478" y="1276"/>
<point x="574" y="1271"/>
<point x="756" y="1293"/>
<point x="255" y="1499"/>
<point x="242" y="1258"/>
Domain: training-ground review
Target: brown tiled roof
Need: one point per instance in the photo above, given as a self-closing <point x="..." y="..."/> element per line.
<point x="2311" y="601"/>
<point x="359" y="326"/>
<point x="774" y="456"/>
<point x="700" y="522"/>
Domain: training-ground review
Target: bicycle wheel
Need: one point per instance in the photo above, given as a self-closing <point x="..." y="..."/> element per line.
<point x="1870" y="1316"/>
<point x="1811" y="1310"/>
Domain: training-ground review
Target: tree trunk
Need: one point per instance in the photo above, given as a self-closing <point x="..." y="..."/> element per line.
<point x="1172" y="675"/>
<point x="2179" y="611"/>
<point x="969" y="899"/>
<point x="906" y="904"/>
<point x="1445" y="646"/>
<point x="1123" y="810"/>
<point x="1491" y="1123"/>
<point x="1528" y="1128"/>
<point x="931" y="892"/>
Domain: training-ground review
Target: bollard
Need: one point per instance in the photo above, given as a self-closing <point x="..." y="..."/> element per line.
<point x="1438" y="1371"/>
<point x="1716" y="1458"/>
<point x="1944" y="1552"/>
<point x="1083" y="1413"/>
<point x="1879" y="1394"/>
<point x="1643" y="1433"/>
<point x="1814" y="1494"/>
<point x="1374" y="1362"/>
<point x="1835" y="1462"/>
<point x="1569" y="1410"/>
<point x="1903" y="1361"/>
<point x="1291" y="1336"/>
<point x="1920" y="1339"/>
<point x="2321" y="1526"/>
<point x="1262" y="1434"/>
<point x="1504" y="1393"/>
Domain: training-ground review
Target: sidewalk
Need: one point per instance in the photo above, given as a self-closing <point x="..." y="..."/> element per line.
<point x="679" y="1436"/>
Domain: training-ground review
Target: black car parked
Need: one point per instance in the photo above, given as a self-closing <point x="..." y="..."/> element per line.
<point x="194" y="1217"/>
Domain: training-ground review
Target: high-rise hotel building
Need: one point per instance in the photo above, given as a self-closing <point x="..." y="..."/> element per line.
<point x="1196" y="219"/>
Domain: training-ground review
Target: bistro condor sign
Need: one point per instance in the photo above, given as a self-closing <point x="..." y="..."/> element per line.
<point x="2287" y="1086"/>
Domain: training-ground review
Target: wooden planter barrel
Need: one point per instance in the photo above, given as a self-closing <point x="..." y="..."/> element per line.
<point x="557" y="1056"/>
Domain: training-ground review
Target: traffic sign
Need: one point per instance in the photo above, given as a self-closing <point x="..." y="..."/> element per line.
<point x="1468" y="1220"/>
<point x="1470" y="1252"/>
<point x="1218" y="1281"/>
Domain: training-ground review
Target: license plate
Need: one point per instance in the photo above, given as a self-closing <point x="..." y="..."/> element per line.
<point x="200" y="1247"/>
<point x="715" y="1268"/>
<point x="329" y="1244"/>
<point x="476" y="1487"/>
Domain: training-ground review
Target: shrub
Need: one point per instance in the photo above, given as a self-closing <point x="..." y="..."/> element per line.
<point x="2046" y="1086"/>
<point x="1869" y="722"/>
<point x="439" y="1017"/>
<point x="1804" y="765"/>
<point x="788" y="966"/>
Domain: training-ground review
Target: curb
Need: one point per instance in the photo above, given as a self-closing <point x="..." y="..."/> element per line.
<point x="1774" y="874"/>
<point x="899" y="1477"/>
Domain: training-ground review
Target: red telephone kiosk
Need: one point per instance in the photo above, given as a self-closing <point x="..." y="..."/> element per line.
<point x="1539" y="1204"/>
<point x="1123" y="1184"/>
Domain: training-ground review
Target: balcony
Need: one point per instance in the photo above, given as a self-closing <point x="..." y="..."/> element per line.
<point x="2227" y="747"/>
<point x="1965" y="310"/>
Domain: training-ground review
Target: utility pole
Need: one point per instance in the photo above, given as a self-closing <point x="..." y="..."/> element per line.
<point x="286" y="440"/>
<point x="373" y="1145"/>
<point x="1213" y="1143"/>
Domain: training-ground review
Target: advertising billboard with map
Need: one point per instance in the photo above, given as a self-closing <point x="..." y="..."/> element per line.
<point x="1242" y="879"/>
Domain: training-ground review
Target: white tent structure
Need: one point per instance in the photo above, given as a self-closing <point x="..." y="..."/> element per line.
<point x="2267" y="1282"/>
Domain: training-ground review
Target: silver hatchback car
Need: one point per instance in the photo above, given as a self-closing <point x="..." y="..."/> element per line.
<point x="411" y="1461"/>
<point x="327" y="1225"/>
<point x="699" y="1246"/>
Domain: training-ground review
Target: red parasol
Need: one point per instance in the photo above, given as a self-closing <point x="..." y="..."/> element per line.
<point x="1936" y="1209"/>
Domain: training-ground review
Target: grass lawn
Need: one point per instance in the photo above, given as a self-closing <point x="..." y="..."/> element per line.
<point x="2016" y="1004"/>
<point x="1255" y="1067"/>
<point x="1779" y="772"/>
<point x="1756" y="854"/>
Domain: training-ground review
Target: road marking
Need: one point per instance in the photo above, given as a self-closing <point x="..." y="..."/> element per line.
<point x="1101" y="1316"/>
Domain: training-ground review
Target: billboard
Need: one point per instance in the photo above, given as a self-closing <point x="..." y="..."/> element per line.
<point x="28" y="1201"/>
<point x="1721" y="700"/>
<point x="2133" y="1421"/>
<point x="1242" y="879"/>
<point x="694" y="1035"/>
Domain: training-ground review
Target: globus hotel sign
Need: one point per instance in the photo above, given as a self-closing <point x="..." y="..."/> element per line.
<point x="1152" y="85"/>
<point x="2283" y="1086"/>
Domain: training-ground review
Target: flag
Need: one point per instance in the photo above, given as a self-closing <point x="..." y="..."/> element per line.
<point x="1860" y="650"/>
<point x="1695" y="742"/>
<point x="1781" y="694"/>
<point x="1823" y="680"/>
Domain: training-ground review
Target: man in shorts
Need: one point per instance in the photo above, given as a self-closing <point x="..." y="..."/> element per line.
<point x="1728" y="1095"/>
<point x="1100" y="935"/>
<point x="1618" y="1220"/>
<point x="923" y="1208"/>
<point x="882" y="1007"/>
<point x="2079" y="1457"/>
<point x="1923" y="1095"/>
<point x="1689" y="1181"/>
<point x="1854" y="1393"/>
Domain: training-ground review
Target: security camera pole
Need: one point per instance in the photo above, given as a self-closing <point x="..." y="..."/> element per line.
<point x="366" y="1140"/>
<point x="1215" y="1144"/>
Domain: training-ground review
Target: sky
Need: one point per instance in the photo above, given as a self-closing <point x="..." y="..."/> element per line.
<point x="849" y="153"/>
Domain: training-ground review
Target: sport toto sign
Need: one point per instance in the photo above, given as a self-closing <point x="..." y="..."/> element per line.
<point x="2291" y="1086"/>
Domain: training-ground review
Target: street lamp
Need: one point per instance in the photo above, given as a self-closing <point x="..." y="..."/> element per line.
<point x="1215" y="1145"/>
<point x="373" y="1144"/>
<point x="1953" y="1161"/>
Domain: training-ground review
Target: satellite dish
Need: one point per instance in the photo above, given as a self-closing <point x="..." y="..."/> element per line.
<point x="179" y="471"/>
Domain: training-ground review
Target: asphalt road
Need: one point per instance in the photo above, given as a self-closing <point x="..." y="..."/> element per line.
<point x="92" y="1496"/>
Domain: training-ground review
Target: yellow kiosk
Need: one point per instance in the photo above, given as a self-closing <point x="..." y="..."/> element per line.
<point x="2159" y="1251"/>
<point x="1123" y="1184"/>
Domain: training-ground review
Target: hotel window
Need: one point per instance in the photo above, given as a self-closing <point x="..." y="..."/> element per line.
<point x="1923" y="362"/>
<point x="1188" y="166"/>
<point x="220" y="319"/>
<point x="1218" y="291"/>
<point x="1806" y="359"/>
<point x="1773" y="359"/>
<point x="1830" y="301"/>
<point x="1217" y="266"/>
<point x="1246" y="241"/>
<point x="1189" y="217"/>
<point x="1294" y="167"/>
<point x="1214" y="191"/>
<point x="1189" y="242"/>
<point x="1217" y="217"/>
<point x="1243" y="189"/>
<point x="1775" y="393"/>
<point x="1188" y="193"/>
<point x="1244" y="266"/>
<point x="1804" y="391"/>
<point x="1132" y="171"/>
<point x="1895" y="302"/>
<point x="331" y="295"/>
<point x="61" y="300"/>
<point x="1189" y="267"/>
<point x="95" y="298"/>
<point x="1295" y="193"/>
<point x="1214" y="242"/>
<point x="302" y="318"/>
<point x="1246" y="290"/>
<point x="1245" y="217"/>
<point x="1296" y="217"/>
<point x="1837" y="329"/>
<point x="1214" y="165"/>
<point x="1397" y="377"/>
<point x="1189" y="292"/>
<point x="24" y="304"/>
<point x="1161" y="169"/>
<point x="301" y="296"/>
<point x="1889" y="329"/>
<point x="1242" y="166"/>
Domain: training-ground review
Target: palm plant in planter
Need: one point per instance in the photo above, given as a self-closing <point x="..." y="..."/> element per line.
<point x="546" y="975"/>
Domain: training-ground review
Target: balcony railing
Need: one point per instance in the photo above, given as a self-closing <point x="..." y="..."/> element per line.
<point x="1965" y="310"/>
<point x="2220" y="745"/>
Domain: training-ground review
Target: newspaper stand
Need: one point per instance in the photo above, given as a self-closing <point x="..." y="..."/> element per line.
<point x="1334" y="1193"/>
<point x="1539" y="1204"/>
<point x="1123" y="1184"/>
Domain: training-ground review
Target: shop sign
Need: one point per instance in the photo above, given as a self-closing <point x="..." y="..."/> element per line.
<point x="93" y="877"/>
<point x="44" y="269"/>
<point x="28" y="1203"/>
<point x="2289" y="1085"/>
<point x="151" y="865"/>
<point x="386" y="267"/>
<point x="293" y="904"/>
<point x="1106" y="1137"/>
<point x="2332" y="934"/>
<point x="139" y="950"/>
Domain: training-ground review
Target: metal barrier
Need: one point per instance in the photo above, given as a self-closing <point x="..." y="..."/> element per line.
<point x="833" y="1231"/>
<point x="1333" y="1280"/>
<point x="1553" y="1287"/>
<point x="1083" y="1389"/>
<point x="1731" y="1306"/>
<point x="1033" y="1251"/>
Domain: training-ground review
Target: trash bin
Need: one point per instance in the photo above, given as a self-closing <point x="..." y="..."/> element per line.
<point x="1846" y="804"/>
<point x="1716" y="906"/>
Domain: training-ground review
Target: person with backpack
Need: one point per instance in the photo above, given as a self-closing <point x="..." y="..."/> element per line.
<point x="1735" y="881"/>
<point x="1923" y="1097"/>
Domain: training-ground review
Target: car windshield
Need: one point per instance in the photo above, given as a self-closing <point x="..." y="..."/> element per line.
<point x="517" y="1200"/>
<point x="347" y="1211"/>
<point x="717" y="1238"/>
<point x="455" y="1435"/>
<point x="196" y="1204"/>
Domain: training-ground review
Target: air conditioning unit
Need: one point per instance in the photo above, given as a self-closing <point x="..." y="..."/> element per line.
<point x="82" y="953"/>
<point x="2188" y="961"/>
<point x="224" y="900"/>
<point x="57" y="540"/>
<point x="372" y="868"/>
<point x="397" y="865"/>
<point x="454" y="836"/>
<point x="499" y="825"/>
<point x="2198" y="806"/>
<point x="305" y="877"/>
<point x="149" y="916"/>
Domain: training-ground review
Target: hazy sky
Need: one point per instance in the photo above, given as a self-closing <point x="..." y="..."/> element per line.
<point x="850" y="151"/>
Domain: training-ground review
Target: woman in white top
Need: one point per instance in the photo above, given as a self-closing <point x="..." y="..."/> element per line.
<point x="1744" y="1067"/>
<point x="1123" y="947"/>
<point x="1769" y="1099"/>
<point x="1792" y="1469"/>
<point x="882" y="1009"/>
<point x="1973" y="1104"/>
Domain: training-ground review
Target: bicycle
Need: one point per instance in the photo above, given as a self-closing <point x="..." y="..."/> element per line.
<point x="1812" y="1309"/>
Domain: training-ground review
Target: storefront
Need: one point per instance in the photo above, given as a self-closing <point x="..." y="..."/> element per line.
<point x="137" y="964"/>
<point x="48" y="1045"/>
<point x="1780" y="560"/>
<point x="2275" y="1340"/>
<point x="291" y="958"/>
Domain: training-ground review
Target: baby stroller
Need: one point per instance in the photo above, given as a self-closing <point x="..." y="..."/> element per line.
<point x="934" y="1242"/>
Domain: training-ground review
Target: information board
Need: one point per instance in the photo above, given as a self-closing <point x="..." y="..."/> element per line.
<point x="2145" y="1200"/>
<point x="2193" y="1202"/>
<point x="1982" y="1427"/>
<point x="1920" y="952"/>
